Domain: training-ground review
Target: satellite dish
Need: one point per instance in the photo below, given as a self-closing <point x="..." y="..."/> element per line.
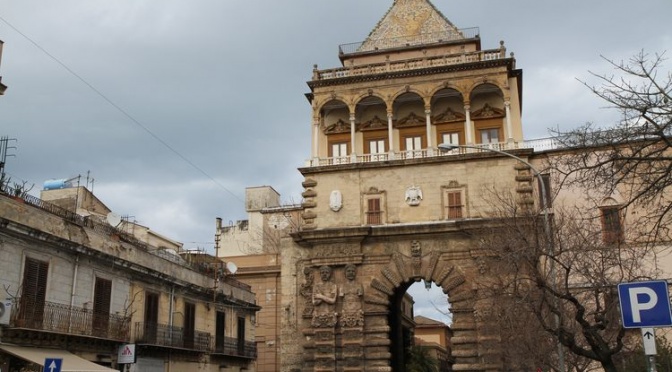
<point x="231" y="267"/>
<point x="113" y="219"/>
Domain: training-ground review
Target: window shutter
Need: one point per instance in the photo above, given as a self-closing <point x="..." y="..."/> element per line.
<point x="373" y="212"/>
<point x="34" y="292"/>
<point x="374" y="205"/>
<point x="454" y="204"/>
<point x="101" y="305"/>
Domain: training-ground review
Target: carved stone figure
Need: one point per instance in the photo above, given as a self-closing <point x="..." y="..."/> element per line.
<point x="416" y="256"/>
<point x="324" y="300"/>
<point x="306" y="292"/>
<point x="352" y="292"/>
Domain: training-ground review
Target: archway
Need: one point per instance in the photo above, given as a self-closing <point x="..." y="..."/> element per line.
<point x="373" y="338"/>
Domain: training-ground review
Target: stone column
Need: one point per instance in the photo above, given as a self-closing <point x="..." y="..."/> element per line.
<point x="428" y="120"/>
<point x="316" y="139"/>
<point x="509" y="130"/>
<point x="352" y="138"/>
<point x="468" y="126"/>
<point x="390" y="134"/>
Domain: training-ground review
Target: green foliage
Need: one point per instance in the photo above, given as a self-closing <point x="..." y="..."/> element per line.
<point x="635" y="360"/>
<point x="419" y="359"/>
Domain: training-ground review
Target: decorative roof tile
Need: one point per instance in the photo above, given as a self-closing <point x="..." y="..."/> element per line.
<point x="410" y="22"/>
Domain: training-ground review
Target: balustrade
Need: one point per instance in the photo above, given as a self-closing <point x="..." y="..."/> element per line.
<point x="543" y="144"/>
<point x="410" y="64"/>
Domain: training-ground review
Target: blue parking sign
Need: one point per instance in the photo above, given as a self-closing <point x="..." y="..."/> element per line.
<point x="645" y="304"/>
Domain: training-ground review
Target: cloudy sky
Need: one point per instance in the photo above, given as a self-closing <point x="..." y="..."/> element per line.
<point x="176" y="106"/>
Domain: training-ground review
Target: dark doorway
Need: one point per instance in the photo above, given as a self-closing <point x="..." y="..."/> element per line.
<point x="400" y="319"/>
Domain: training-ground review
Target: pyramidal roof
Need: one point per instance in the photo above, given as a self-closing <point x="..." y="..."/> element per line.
<point x="410" y="22"/>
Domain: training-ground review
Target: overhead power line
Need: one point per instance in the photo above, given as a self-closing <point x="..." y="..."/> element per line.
<point x="121" y="110"/>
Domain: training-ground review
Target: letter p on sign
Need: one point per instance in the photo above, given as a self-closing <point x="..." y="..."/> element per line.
<point x="645" y="304"/>
<point x="638" y="307"/>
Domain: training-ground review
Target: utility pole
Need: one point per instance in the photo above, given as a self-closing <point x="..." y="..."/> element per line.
<point x="4" y="154"/>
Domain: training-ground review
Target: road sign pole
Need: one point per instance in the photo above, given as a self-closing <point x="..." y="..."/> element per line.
<point x="652" y="363"/>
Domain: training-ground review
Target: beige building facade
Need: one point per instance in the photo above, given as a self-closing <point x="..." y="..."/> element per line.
<point x="79" y="289"/>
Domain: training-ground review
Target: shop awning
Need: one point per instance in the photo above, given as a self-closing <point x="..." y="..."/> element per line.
<point x="71" y="362"/>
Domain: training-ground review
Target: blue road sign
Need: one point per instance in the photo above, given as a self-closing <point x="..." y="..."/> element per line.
<point x="53" y="364"/>
<point x="645" y="304"/>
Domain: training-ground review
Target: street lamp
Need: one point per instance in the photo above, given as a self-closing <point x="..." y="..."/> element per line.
<point x="547" y="224"/>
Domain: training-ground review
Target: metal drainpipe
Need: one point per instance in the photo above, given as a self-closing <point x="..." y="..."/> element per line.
<point x="72" y="291"/>
<point x="170" y="320"/>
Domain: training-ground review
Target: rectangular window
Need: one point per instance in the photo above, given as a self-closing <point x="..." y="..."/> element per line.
<point x="454" y="205"/>
<point x="452" y="138"/>
<point x="189" y="324"/>
<point x="377" y="146"/>
<point x="490" y="135"/>
<point x="377" y="149"/>
<point x="102" y="294"/>
<point x="339" y="152"/>
<point x="220" y="328"/>
<point x="414" y="143"/>
<point x="546" y="178"/>
<point x="33" y="294"/>
<point x="373" y="212"/>
<point x="339" y="149"/>
<point x="241" y="336"/>
<point x="413" y="146"/>
<point x="612" y="226"/>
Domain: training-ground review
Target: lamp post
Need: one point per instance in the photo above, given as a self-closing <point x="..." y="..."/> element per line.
<point x="547" y="223"/>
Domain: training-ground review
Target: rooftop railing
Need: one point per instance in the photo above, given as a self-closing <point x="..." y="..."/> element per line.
<point x="411" y="64"/>
<point x="422" y="39"/>
<point x="83" y="221"/>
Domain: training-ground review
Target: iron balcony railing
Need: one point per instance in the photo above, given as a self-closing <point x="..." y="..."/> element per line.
<point x="232" y="347"/>
<point x="71" y="320"/>
<point x="172" y="336"/>
<point x="181" y="338"/>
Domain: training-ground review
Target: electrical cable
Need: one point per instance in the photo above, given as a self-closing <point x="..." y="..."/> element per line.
<point x="122" y="111"/>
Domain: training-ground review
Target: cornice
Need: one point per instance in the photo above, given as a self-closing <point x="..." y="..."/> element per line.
<point x="508" y="62"/>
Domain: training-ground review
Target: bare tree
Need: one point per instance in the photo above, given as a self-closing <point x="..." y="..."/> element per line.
<point x="540" y="298"/>
<point x="633" y="158"/>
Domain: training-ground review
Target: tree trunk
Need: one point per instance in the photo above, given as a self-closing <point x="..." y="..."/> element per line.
<point x="609" y="366"/>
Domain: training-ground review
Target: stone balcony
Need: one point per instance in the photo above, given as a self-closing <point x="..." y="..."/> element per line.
<point x="538" y="145"/>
